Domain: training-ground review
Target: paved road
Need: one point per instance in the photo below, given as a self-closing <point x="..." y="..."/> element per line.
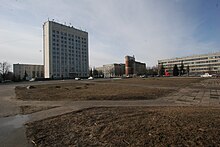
<point x="206" y="93"/>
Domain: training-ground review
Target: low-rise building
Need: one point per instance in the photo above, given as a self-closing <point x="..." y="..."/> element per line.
<point x="112" y="70"/>
<point x="196" y="64"/>
<point x="130" y="68"/>
<point x="28" y="71"/>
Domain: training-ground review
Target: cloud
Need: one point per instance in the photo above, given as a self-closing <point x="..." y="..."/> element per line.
<point x="150" y="30"/>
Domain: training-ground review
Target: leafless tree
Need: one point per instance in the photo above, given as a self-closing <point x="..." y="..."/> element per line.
<point x="4" y="69"/>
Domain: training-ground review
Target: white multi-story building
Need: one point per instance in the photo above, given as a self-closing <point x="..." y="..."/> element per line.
<point x="197" y="64"/>
<point x="65" y="51"/>
<point x="31" y="71"/>
<point x="112" y="70"/>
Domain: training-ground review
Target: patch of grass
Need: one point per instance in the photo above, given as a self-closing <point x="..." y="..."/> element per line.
<point x="130" y="126"/>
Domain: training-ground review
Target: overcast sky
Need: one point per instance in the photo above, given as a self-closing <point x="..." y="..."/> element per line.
<point x="149" y="29"/>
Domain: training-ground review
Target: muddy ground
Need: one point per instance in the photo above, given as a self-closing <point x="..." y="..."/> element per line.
<point x="130" y="126"/>
<point x="125" y="89"/>
<point x="32" y="109"/>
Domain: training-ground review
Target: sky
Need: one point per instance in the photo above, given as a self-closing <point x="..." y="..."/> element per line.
<point x="148" y="29"/>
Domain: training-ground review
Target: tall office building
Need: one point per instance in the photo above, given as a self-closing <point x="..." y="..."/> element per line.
<point x="65" y="51"/>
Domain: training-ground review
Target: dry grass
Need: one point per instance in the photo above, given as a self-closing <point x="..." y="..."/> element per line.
<point x="126" y="89"/>
<point x="81" y="91"/>
<point x="130" y="126"/>
<point x="161" y="81"/>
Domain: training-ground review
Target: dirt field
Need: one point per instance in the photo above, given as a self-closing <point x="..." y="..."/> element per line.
<point x="160" y="81"/>
<point x="130" y="126"/>
<point x="126" y="89"/>
<point x="79" y="91"/>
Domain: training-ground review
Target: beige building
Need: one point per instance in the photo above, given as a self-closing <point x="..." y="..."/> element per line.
<point x="32" y="71"/>
<point x="198" y="64"/>
<point x="65" y="51"/>
<point x="112" y="70"/>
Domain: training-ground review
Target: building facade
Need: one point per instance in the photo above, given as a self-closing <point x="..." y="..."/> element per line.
<point x="197" y="64"/>
<point x="133" y="67"/>
<point x="112" y="70"/>
<point x="32" y="71"/>
<point x="65" y="51"/>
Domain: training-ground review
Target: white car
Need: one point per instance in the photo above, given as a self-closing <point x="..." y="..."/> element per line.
<point x="206" y="75"/>
<point x="77" y="79"/>
<point x="31" y="80"/>
<point x="90" y="78"/>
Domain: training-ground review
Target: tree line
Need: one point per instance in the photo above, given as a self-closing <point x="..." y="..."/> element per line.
<point x="176" y="71"/>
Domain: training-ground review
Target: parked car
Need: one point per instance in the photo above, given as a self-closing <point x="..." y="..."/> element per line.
<point x="32" y="79"/>
<point x="206" y="75"/>
<point x="77" y="79"/>
<point x="143" y="76"/>
<point x="90" y="78"/>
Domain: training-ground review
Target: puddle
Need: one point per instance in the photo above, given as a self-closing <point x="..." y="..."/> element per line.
<point x="12" y="131"/>
<point x="16" y="121"/>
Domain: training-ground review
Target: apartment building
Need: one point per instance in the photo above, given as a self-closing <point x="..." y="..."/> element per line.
<point x="133" y="67"/>
<point x="65" y="51"/>
<point x="32" y="71"/>
<point x="198" y="64"/>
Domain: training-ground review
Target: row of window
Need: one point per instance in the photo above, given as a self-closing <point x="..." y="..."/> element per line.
<point x="70" y="45"/>
<point x="74" y="56"/>
<point x="193" y="59"/>
<point x="203" y="65"/>
<point x="58" y="75"/>
<point x="207" y="69"/>
<point x="70" y="53"/>
<point x="201" y="62"/>
<point x="64" y="33"/>
<point x="70" y="50"/>
<point x="64" y="39"/>
<point x="69" y="35"/>
<point x="58" y="70"/>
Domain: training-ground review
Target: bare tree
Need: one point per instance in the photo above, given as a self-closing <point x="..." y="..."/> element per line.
<point x="4" y="69"/>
